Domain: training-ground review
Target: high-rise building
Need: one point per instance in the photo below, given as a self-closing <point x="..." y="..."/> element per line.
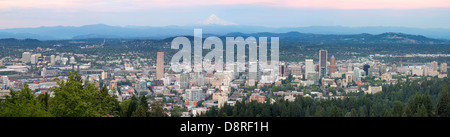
<point x="113" y="86"/>
<point x="72" y="60"/>
<point x="425" y="70"/>
<point x="33" y="59"/>
<point x="349" y="67"/>
<point x="383" y="68"/>
<point x="333" y="65"/>
<point x="394" y="68"/>
<point x="282" y="70"/>
<point x="160" y="65"/>
<point x="26" y="57"/>
<point x="444" y="68"/>
<point x="222" y="99"/>
<point x="194" y="94"/>
<point x="296" y="70"/>
<point x="104" y="75"/>
<point x="356" y="74"/>
<point x="322" y="63"/>
<point x="434" y="66"/>
<point x="52" y="60"/>
<point x="313" y="76"/>
<point x="142" y="87"/>
<point x="373" y="72"/>
<point x="366" y="69"/>
<point x="184" y="80"/>
<point x="309" y="67"/>
<point x="5" y="80"/>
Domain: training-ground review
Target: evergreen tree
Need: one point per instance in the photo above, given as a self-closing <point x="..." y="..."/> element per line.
<point x="157" y="109"/>
<point x="443" y="104"/>
<point x="144" y="104"/>
<point x="421" y="112"/>
<point x="353" y="113"/>
<point x="72" y="99"/>
<point x="398" y="109"/>
<point x="22" y="103"/>
<point x="140" y="112"/>
<point x="43" y="99"/>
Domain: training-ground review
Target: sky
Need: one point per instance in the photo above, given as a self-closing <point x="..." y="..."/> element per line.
<point x="269" y="13"/>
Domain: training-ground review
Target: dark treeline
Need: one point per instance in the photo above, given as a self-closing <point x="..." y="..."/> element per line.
<point x="405" y="99"/>
<point x="73" y="99"/>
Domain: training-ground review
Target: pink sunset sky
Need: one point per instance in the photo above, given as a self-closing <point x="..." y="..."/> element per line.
<point x="34" y="13"/>
<point x="137" y="4"/>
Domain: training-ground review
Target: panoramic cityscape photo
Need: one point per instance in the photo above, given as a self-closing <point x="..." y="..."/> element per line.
<point x="224" y="58"/>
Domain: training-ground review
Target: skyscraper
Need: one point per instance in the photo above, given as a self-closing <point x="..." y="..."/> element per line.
<point x="26" y="57"/>
<point x="282" y="70"/>
<point x="52" y="60"/>
<point x="160" y="65"/>
<point x="309" y="67"/>
<point x="444" y="68"/>
<point x="383" y="68"/>
<point x="366" y="69"/>
<point x="356" y="74"/>
<point x="434" y="66"/>
<point x="72" y="60"/>
<point x="194" y="94"/>
<point x="184" y="80"/>
<point x="322" y="63"/>
<point x="349" y="67"/>
<point x="33" y="59"/>
<point x="394" y="68"/>
<point x="332" y="65"/>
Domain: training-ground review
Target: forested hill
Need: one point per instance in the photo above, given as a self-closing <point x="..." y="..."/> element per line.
<point x="384" y="38"/>
<point x="297" y="37"/>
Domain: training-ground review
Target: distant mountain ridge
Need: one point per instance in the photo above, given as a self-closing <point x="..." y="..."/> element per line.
<point x="147" y="32"/>
<point x="388" y="38"/>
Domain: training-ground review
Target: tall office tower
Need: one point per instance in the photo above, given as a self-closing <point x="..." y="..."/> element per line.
<point x="394" y="68"/>
<point x="383" y="68"/>
<point x="366" y="69"/>
<point x="72" y="60"/>
<point x="282" y="70"/>
<point x="333" y="65"/>
<point x="160" y="65"/>
<point x="113" y="88"/>
<point x="184" y="80"/>
<point x="309" y="67"/>
<point x="425" y="70"/>
<point x="322" y="63"/>
<point x="5" y="80"/>
<point x="349" y="67"/>
<point x="33" y="59"/>
<point x="356" y="74"/>
<point x="104" y="75"/>
<point x="26" y="57"/>
<point x="434" y="66"/>
<point x="194" y="94"/>
<point x="52" y="60"/>
<point x="296" y="70"/>
<point x="444" y="68"/>
<point x="142" y="87"/>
